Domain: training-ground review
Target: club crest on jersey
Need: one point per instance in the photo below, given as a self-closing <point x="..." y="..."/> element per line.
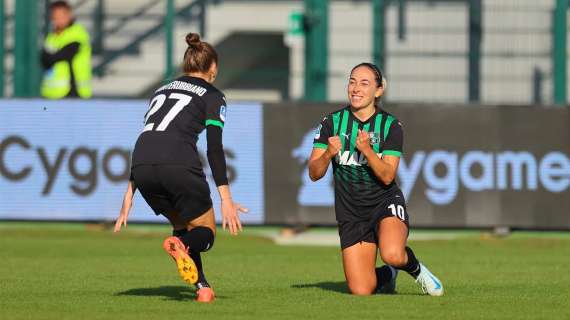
<point x="374" y="137"/>
<point x="223" y="113"/>
<point x="318" y="131"/>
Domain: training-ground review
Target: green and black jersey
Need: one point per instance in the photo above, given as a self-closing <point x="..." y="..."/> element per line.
<point x="357" y="190"/>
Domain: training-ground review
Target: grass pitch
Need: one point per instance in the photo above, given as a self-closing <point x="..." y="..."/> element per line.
<point x="72" y="271"/>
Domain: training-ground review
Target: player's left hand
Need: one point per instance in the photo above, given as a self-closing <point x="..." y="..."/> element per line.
<point x="363" y="141"/>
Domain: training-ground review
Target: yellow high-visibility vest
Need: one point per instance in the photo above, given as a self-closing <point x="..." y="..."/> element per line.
<point x="56" y="82"/>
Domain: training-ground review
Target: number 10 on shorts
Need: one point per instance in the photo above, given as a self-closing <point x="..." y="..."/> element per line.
<point x="398" y="211"/>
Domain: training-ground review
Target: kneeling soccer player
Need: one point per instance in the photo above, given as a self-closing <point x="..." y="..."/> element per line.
<point x="364" y="143"/>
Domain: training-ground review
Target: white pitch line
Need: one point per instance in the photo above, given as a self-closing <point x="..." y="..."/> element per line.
<point x="332" y="239"/>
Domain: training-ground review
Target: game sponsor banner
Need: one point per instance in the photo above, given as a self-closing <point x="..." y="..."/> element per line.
<point x="463" y="166"/>
<point x="70" y="160"/>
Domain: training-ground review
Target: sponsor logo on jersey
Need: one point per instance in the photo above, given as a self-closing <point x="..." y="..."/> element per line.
<point x="347" y="158"/>
<point x="223" y="113"/>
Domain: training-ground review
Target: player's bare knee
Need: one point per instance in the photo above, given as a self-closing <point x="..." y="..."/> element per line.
<point x="394" y="257"/>
<point x="361" y="289"/>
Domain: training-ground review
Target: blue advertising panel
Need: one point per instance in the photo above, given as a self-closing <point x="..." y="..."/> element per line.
<point x="70" y="160"/>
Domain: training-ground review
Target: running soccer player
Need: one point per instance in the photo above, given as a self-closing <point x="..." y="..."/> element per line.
<point x="364" y="144"/>
<point x="166" y="167"/>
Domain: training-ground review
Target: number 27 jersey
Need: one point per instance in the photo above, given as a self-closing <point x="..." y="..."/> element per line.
<point x="178" y="112"/>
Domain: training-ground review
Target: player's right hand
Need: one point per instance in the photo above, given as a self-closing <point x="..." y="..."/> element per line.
<point x="230" y="215"/>
<point x="126" y="208"/>
<point x="334" y="146"/>
<point x="121" y="221"/>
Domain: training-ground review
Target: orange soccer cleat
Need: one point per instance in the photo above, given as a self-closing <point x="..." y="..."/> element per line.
<point x="205" y="294"/>
<point x="186" y="266"/>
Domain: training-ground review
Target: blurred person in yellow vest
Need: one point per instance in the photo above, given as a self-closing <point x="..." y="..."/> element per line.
<point x="66" y="56"/>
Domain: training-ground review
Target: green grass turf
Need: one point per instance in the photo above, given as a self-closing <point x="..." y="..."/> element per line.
<point x="59" y="271"/>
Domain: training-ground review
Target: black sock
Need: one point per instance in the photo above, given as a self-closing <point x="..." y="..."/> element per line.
<point x="383" y="276"/>
<point x="199" y="239"/>
<point x="202" y="282"/>
<point x="413" y="265"/>
<point x="179" y="233"/>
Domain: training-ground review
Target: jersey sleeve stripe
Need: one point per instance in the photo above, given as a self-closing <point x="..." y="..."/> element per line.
<point x="392" y="153"/>
<point x="216" y="123"/>
<point x="320" y="145"/>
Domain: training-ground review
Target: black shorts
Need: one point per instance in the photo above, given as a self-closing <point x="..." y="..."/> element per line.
<point x="353" y="232"/>
<point x="171" y="188"/>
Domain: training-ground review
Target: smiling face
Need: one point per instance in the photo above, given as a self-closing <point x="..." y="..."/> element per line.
<point x="363" y="88"/>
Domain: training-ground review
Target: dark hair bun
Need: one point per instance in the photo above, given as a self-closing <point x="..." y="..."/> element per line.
<point x="193" y="39"/>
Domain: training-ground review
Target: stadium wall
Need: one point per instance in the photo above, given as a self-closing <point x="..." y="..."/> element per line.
<point x="463" y="166"/>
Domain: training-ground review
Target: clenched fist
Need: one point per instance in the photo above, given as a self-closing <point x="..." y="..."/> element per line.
<point x="334" y="146"/>
<point x="363" y="141"/>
